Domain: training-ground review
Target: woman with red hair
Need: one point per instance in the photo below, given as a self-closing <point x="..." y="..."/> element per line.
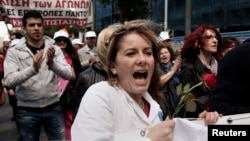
<point x="200" y="55"/>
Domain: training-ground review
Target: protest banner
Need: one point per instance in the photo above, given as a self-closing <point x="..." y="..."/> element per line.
<point x="54" y="12"/>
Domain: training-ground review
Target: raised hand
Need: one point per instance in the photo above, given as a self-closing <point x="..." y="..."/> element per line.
<point x="177" y="63"/>
<point x="37" y="60"/>
<point x="50" y="56"/>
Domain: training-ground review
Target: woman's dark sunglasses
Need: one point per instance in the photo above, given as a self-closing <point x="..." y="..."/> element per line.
<point x="61" y="39"/>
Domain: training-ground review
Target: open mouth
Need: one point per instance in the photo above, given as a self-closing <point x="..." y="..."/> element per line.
<point x="140" y="75"/>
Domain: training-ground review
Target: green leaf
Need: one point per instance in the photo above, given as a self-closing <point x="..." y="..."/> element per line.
<point x="186" y="88"/>
<point x="190" y="106"/>
<point x="179" y="89"/>
<point x="203" y="98"/>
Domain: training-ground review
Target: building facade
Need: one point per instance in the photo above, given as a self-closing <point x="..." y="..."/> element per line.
<point x="226" y="15"/>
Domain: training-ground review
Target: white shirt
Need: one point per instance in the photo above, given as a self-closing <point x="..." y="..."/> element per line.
<point x="85" y="53"/>
<point x="106" y="110"/>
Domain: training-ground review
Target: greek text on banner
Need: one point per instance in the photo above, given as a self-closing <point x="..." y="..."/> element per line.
<point x="54" y="12"/>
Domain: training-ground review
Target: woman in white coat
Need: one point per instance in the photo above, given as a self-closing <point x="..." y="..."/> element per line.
<point x="128" y="101"/>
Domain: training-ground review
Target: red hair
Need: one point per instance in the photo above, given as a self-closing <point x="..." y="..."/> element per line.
<point x="191" y="49"/>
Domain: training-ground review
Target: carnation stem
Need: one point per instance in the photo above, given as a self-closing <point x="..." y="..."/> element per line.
<point x="183" y="98"/>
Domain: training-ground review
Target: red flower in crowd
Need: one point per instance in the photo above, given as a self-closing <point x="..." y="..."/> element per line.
<point x="210" y="79"/>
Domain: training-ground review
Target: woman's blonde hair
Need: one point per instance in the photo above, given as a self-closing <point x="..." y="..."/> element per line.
<point x="103" y="41"/>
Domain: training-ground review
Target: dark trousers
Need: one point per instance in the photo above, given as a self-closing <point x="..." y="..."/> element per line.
<point x="30" y="120"/>
<point x="13" y="104"/>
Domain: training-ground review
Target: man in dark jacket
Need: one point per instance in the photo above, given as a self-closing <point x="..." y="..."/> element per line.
<point x="95" y="73"/>
<point x="231" y="94"/>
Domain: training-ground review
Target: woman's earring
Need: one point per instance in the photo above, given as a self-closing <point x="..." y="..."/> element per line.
<point x="114" y="72"/>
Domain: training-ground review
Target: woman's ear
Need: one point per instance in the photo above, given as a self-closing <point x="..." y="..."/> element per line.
<point x="113" y="69"/>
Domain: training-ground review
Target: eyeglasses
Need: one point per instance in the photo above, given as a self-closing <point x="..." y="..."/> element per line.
<point x="208" y="37"/>
<point x="61" y="39"/>
<point x="91" y="38"/>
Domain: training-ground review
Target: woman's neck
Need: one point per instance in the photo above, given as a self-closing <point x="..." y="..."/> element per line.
<point x="139" y="101"/>
<point x="64" y="52"/>
<point x="166" y="64"/>
<point x="205" y="57"/>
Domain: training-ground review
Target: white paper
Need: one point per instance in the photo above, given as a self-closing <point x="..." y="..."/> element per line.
<point x="186" y="130"/>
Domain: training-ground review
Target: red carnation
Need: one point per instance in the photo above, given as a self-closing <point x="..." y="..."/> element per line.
<point x="210" y="79"/>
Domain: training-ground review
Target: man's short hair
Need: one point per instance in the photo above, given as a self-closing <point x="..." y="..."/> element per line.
<point x="31" y="14"/>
